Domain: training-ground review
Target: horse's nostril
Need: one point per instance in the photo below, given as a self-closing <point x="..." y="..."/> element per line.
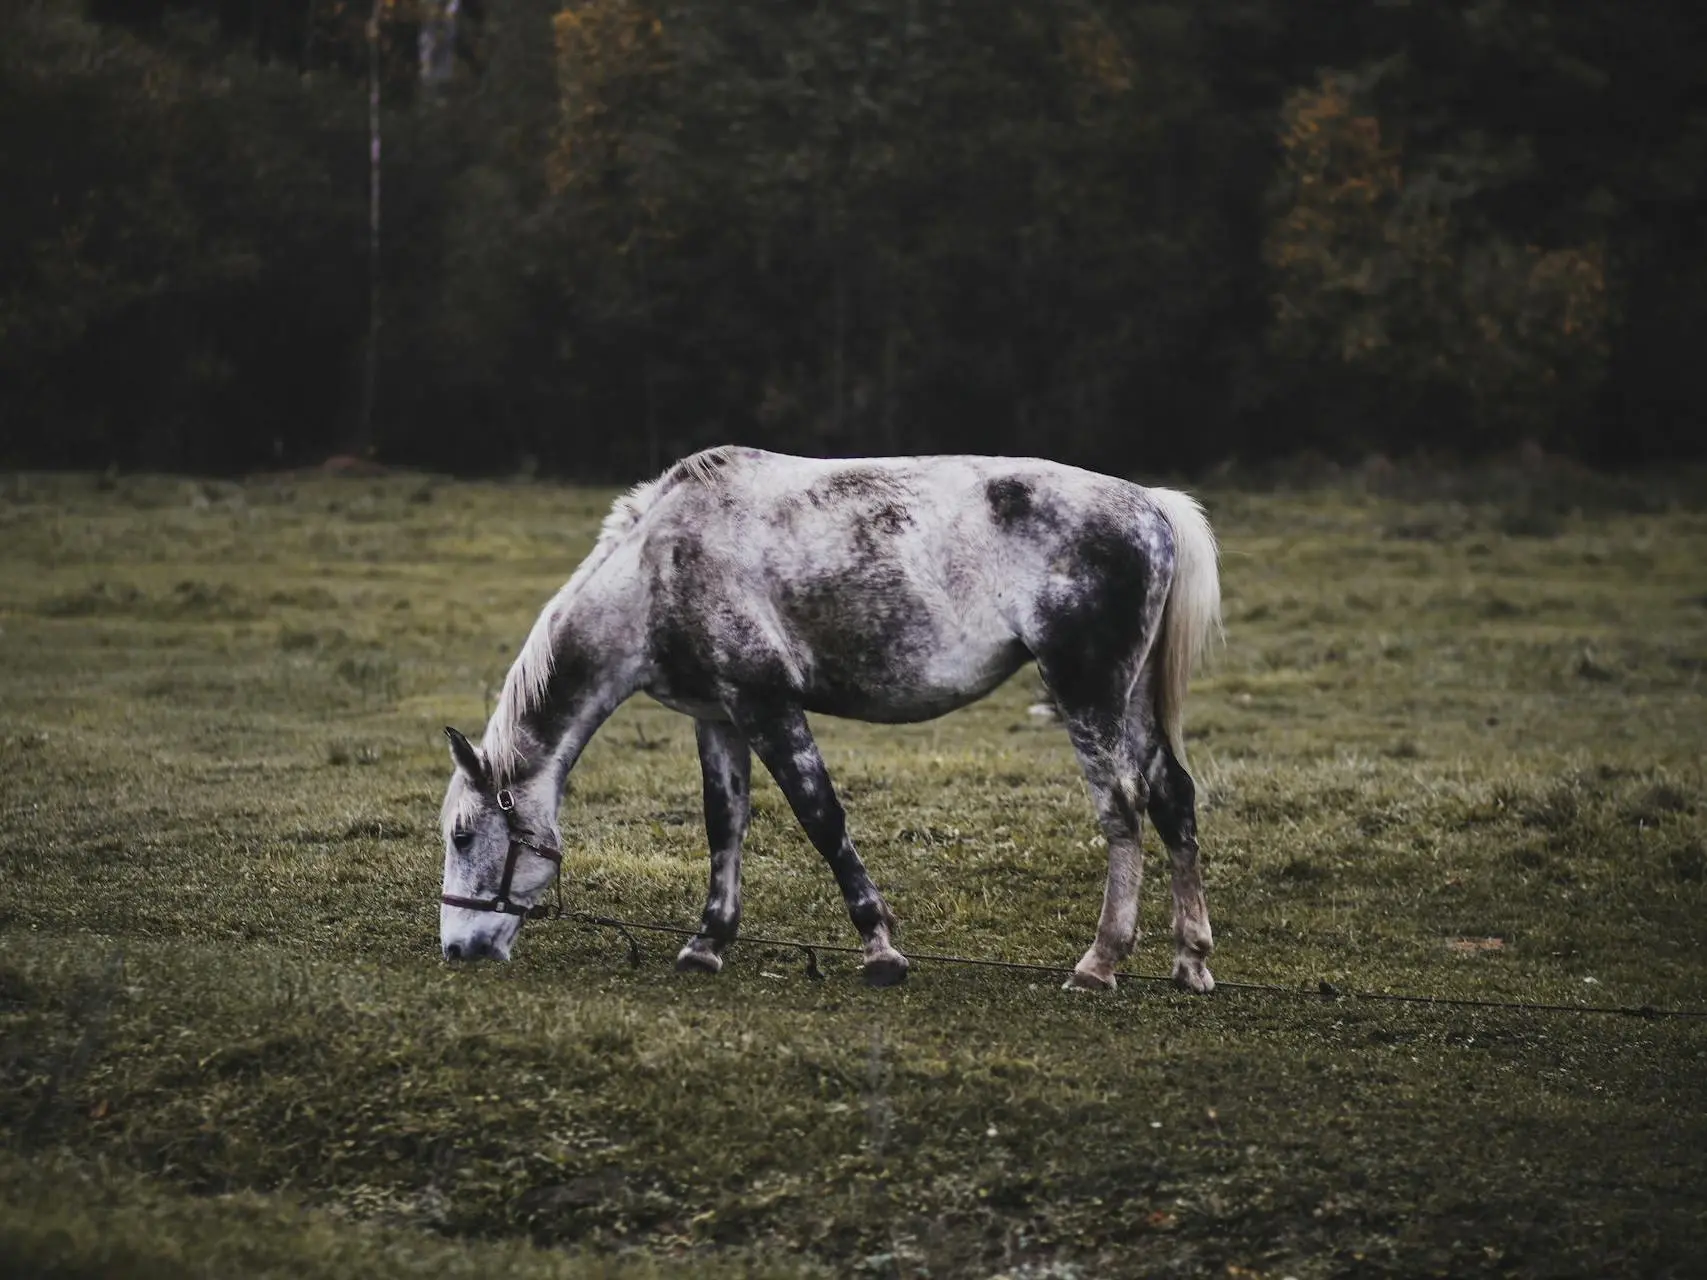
<point x="453" y="952"/>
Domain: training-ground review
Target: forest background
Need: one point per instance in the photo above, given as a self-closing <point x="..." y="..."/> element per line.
<point x="1140" y="236"/>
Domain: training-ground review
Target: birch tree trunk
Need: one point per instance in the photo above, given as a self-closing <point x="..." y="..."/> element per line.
<point x="363" y="444"/>
<point x="437" y="42"/>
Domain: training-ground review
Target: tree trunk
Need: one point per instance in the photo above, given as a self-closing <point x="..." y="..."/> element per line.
<point x="437" y="42"/>
<point x="363" y="443"/>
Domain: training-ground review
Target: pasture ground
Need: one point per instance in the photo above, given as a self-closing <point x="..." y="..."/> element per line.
<point x="1454" y="745"/>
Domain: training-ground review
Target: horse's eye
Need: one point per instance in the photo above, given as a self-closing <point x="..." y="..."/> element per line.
<point x="462" y="839"/>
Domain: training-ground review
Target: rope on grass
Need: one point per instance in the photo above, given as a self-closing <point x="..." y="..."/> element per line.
<point x="1323" y="990"/>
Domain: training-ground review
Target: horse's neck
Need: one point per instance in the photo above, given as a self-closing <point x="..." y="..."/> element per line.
<point x="593" y="671"/>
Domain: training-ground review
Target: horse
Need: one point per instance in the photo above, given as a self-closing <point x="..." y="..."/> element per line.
<point x="749" y="589"/>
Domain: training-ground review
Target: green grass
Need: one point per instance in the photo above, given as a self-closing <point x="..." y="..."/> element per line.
<point x="227" y="1044"/>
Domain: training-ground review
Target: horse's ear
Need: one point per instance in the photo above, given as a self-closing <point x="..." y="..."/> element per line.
<point x="467" y="758"/>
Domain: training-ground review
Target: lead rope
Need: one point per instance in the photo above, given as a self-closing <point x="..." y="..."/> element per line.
<point x="1323" y="990"/>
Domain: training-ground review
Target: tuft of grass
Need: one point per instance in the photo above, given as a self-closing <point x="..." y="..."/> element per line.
<point x="227" y="1043"/>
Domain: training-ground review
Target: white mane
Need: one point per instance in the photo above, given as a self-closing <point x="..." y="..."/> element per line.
<point x="530" y="674"/>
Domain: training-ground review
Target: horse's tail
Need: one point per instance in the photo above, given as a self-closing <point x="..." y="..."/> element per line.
<point x="1193" y="612"/>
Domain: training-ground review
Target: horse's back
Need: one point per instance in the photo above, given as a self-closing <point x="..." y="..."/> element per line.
<point x="884" y="588"/>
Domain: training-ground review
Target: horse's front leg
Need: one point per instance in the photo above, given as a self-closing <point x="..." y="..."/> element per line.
<point x="782" y="740"/>
<point x="725" y="765"/>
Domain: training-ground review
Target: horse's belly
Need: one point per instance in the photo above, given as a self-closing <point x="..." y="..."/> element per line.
<point x="699" y="708"/>
<point x="910" y="688"/>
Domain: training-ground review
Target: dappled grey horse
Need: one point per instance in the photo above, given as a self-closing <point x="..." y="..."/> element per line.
<point x="746" y="589"/>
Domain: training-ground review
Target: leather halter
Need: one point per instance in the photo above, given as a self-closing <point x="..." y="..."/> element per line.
<point x="518" y="842"/>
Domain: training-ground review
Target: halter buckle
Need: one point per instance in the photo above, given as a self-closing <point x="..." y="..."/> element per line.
<point x="506" y="801"/>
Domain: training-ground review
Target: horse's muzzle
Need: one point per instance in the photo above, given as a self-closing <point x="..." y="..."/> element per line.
<point x="476" y="948"/>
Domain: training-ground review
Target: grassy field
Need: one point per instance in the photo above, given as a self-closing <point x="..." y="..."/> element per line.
<point x="1454" y="746"/>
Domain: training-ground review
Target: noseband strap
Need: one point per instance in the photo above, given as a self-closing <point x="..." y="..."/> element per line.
<point x="502" y="903"/>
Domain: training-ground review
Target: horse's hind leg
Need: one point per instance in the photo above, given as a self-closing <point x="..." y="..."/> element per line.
<point x="1173" y="808"/>
<point x="725" y="765"/>
<point x="1105" y="748"/>
<point x="783" y="742"/>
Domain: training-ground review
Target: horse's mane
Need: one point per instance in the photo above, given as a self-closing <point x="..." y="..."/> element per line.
<point x="530" y="675"/>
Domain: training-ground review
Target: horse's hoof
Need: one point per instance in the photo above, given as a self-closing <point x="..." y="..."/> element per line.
<point x="886" y="970"/>
<point x="1191" y="974"/>
<point x="692" y="959"/>
<point x="1088" y="980"/>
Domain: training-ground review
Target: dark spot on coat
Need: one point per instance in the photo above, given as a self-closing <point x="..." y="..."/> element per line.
<point x="865" y="628"/>
<point x="873" y="532"/>
<point x="1010" y="501"/>
<point x="856" y="486"/>
<point x="859" y="483"/>
<point x="545" y="723"/>
<point x="1173" y="802"/>
<point x="679" y="647"/>
<point x="891" y="518"/>
<point x="1096" y="613"/>
<point x="703" y="642"/>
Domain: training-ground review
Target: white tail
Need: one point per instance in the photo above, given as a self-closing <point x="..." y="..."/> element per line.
<point x="1193" y="612"/>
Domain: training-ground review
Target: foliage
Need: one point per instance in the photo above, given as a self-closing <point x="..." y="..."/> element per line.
<point x="1160" y="234"/>
<point x="1384" y="271"/>
<point x="803" y="174"/>
<point x="171" y="287"/>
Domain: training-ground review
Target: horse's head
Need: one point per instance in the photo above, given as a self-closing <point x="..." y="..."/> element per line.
<point x="502" y="852"/>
